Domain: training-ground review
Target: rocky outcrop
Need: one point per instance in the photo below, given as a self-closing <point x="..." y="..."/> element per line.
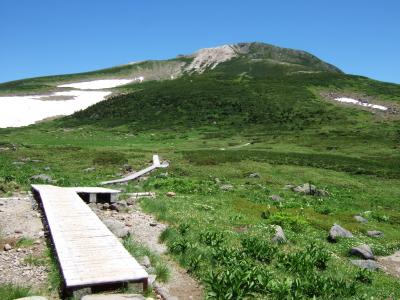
<point x="338" y="231"/>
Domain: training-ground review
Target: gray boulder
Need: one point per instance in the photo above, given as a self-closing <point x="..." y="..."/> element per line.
<point x="43" y="177"/>
<point x="254" y="175"/>
<point x="276" y="198"/>
<point x="227" y="187"/>
<point x="116" y="227"/>
<point x="363" y="251"/>
<point x="309" y="189"/>
<point x="118" y="206"/>
<point x="360" y="219"/>
<point x="279" y="236"/>
<point x="7" y="247"/>
<point x="366" y="264"/>
<point x="375" y="233"/>
<point x="338" y="231"/>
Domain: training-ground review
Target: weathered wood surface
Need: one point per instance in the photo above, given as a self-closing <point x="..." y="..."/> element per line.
<point x="88" y="253"/>
<point x="156" y="164"/>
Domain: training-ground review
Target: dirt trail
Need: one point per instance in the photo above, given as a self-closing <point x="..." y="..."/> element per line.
<point x="146" y="230"/>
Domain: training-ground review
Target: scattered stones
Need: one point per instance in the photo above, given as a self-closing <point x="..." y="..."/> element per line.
<point x="170" y="194"/>
<point x="226" y="187"/>
<point x="368" y="264"/>
<point x="363" y="251"/>
<point x="118" y="206"/>
<point x="279" y="236"/>
<point x="338" y="231"/>
<point x="375" y="233"/>
<point x="7" y="247"/>
<point x="309" y="189"/>
<point x="360" y="219"/>
<point x="42" y="177"/>
<point x="116" y="227"/>
<point x="276" y="198"/>
<point x="254" y="175"/>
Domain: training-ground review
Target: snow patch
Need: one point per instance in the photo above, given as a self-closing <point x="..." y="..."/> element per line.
<point x="26" y="110"/>
<point x="211" y="57"/>
<point x="100" y="84"/>
<point x="362" y="103"/>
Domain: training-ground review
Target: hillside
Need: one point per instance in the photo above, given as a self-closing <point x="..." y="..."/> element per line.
<point x="247" y="129"/>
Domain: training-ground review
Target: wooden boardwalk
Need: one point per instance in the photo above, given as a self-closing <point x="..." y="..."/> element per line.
<point x="88" y="253"/>
<point x="156" y="164"/>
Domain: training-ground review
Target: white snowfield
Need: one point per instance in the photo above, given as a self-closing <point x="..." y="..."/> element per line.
<point x="357" y="102"/>
<point x="17" y="111"/>
<point x="98" y="84"/>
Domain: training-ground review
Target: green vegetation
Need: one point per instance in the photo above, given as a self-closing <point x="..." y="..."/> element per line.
<point x="10" y="292"/>
<point x="138" y="251"/>
<point x="245" y="116"/>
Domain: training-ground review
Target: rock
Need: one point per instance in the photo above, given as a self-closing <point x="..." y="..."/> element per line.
<point x="127" y="168"/>
<point x="360" y="219"/>
<point x="375" y="233"/>
<point x="113" y="297"/>
<point x="151" y="280"/>
<point x="7" y="247"/>
<point x="153" y="224"/>
<point x="163" y="175"/>
<point x="254" y="175"/>
<point x="46" y="168"/>
<point x="118" y="206"/>
<point x="279" y="236"/>
<point x="366" y="264"/>
<point x="170" y="194"/>
<point x="43" y="177"/>
<point x="32" y="298"/>
<point x="289" y="187"/>
<point x="338" y="231"/>
<point x="363" y="251"/>
<point x="275" y="198"/>
<point x="226" y="187"/>
<point x="106" y="206"/>
<point x="116" y="227"/>
<point x="91" y="169"/>
<point x="145" y="261"/>
<point x="18" y="231"/>
<point x="18" y="163"/>
<point x="309" y="189"/>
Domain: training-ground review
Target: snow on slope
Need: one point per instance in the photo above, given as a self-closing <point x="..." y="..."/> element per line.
<point x="362" y="103"/>
<point x="17" y="111"/>
<point x="98" y="84"/>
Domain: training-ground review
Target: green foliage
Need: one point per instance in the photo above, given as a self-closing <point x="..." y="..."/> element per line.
<point x="10" y="292"/>
<point x="258" y="249"/>
<point x="183" y="185"/>
<point x="295" y="223"/>
<point x="109" y="158"/>
<point x="212" y="238"/>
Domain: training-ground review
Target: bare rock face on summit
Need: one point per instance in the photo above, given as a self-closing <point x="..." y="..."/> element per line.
<point x="338" y="231"/>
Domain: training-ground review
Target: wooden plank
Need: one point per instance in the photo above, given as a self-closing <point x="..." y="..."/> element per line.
<point x="87" y="251"/>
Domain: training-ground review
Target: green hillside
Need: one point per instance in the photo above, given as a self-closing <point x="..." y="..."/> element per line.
<point x="236" y="135"/>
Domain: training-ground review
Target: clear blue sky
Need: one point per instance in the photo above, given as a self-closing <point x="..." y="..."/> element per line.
<point x="43" y="37"/>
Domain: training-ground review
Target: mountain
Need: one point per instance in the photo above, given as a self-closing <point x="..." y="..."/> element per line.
<point x="257" y="137"/>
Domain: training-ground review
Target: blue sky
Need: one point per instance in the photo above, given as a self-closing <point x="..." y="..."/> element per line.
<point x="46" y="37"/>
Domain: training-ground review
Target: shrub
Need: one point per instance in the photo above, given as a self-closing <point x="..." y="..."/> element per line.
<point x="295" y="223"/>
<point x="212" y="238"/>
<point x="258" y="249"/>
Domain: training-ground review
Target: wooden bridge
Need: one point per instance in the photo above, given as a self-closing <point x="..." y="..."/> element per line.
<point x="88" y="253"/>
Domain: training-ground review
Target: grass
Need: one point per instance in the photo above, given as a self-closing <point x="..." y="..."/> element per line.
<point x="216" y="129"/>
<point x="10" y="292"/>
<point x="138" y="251"/>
